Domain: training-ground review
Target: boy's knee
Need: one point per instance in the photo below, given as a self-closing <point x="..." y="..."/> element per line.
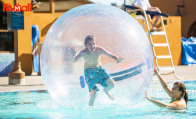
<point x="112" y="83"/>
<point x="92" y="93"/>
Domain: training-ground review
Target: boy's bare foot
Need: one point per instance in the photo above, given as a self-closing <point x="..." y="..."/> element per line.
<point x="90" y="107"/>
<point x="109" y="95"/>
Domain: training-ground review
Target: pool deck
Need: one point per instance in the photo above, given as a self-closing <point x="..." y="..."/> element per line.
<point x="35" y="82"/>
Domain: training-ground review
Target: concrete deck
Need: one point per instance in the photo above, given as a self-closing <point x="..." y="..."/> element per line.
<point x="35" y="82"/>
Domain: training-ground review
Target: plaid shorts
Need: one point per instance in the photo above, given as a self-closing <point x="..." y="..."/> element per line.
<point x="94" y="76"/>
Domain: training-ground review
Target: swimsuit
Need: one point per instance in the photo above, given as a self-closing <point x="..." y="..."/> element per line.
<point x="175" y="100"/>
<point x="94" y="76"/>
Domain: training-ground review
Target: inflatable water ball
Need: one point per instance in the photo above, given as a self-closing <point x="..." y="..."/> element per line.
<point x="114" y="30"/>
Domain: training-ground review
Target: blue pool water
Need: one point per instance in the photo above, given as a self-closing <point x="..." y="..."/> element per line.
<point x="38" y="104"/>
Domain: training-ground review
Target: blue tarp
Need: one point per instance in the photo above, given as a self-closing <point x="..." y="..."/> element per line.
<point x="188" y="51"/>
<point x="35" y="39"/>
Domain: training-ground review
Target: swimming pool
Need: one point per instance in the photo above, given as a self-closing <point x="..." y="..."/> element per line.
<point x="38" y="104"/>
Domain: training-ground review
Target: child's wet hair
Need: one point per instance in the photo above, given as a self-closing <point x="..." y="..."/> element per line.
<point x="88" y="38"/>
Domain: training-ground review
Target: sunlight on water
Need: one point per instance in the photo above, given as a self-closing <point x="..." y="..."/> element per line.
<point x="39" y="104"/>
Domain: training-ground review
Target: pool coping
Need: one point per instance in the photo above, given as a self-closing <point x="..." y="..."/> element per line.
<point x="24" y="91"/>
<point x="159" y="89"/>
<point x="34" y="82"/>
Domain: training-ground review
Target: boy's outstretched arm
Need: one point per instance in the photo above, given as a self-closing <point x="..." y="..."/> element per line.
<point x="76" y="58"/>
<point x="105" y="52"/>
<point x="73" y="52"/>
